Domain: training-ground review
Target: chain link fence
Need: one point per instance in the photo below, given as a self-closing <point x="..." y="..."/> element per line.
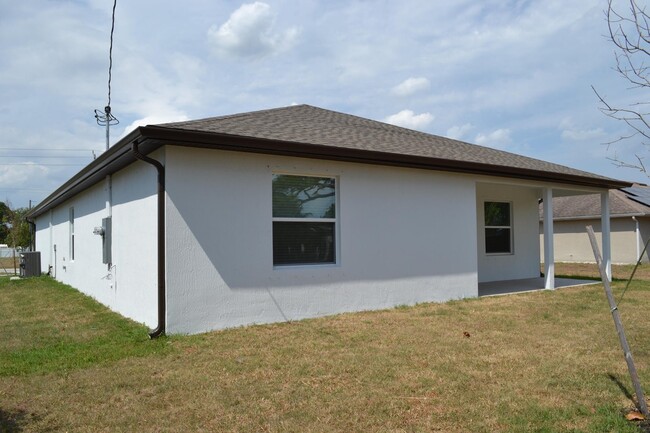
<point x="9" y="260"/>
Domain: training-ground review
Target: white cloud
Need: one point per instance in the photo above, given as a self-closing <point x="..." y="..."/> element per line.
<point x="408" y="119"/>
<point x="249" y="33"/>
<point x="411" y="86"/>
<point x="583" y="134"/>
<point x="458" y="132"/>
<point x="155" y="119"/>
<point x="498" y="139"/>
<point x="572" y="132"/>
<point x="21" y="175"/>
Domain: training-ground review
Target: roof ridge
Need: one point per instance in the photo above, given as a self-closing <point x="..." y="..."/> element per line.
<point x="230" y="116"/>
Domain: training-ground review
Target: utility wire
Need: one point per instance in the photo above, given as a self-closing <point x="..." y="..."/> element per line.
<point x="24" y="189"/>
<point x="40" y="164"/>
<point x="40" y="149"/>
<point x="110" y="54"/>
<point x="620" y="299"/>
<point x="106" y="118"/>
<point x="46" y="156"/>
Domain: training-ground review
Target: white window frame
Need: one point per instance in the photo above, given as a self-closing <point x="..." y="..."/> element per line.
<point x="511" y="227"/>
<point x="337" y="250"/>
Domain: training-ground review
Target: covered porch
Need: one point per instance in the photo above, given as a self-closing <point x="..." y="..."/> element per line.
<point x="509" y="235"/>
<point x="495" y="288"/>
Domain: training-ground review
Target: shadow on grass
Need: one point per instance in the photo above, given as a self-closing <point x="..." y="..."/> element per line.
<point x="626" y="392"/>
<point x="12" y="421"/>
<point x="577" y="277"/>
<point x="643" y="426"/>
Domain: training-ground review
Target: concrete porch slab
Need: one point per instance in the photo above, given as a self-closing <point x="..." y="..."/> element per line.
<point x="494" y="288"/>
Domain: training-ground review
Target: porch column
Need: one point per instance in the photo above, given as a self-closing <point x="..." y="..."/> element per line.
<point x="606" y="233"/>
<point x="549" y="254"/>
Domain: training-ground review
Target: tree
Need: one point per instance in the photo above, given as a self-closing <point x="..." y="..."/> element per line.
<point x="19" y="235"/>
<point x="14" y="228"/>
<point x="5" y="217"/>
<point x="629" y="31"/>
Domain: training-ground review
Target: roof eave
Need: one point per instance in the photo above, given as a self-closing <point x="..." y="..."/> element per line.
<point x="591" y="217"/>
<point x="113" y="159"/>
<point x="259" y="145"/>
<point x="153" y="137"/>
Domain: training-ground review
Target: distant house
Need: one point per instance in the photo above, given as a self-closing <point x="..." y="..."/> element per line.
<point x="295" y="212"/>
<point x="630" y="225"/>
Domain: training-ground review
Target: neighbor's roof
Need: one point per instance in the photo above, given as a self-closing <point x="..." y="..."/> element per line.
<point x="312" y="132"/>
<point x="622" y="203"/>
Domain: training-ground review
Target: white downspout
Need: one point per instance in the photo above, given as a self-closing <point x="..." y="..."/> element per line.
<point x="637" y="237"/>
<point x="50" y="261"/>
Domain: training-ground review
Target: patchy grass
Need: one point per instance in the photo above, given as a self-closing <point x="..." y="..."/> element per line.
<point x="590" y="270"/>
<point x="46" y="326"/>
<point x="547" y="361"/>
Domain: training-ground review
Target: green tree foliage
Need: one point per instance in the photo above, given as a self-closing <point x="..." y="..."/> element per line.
<point x="14" y="228"/>
<point x="5" y="221"/>
<point x="19" y="232"/>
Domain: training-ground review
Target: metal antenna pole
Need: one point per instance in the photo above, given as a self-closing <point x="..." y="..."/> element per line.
<point x="106" y="118"/>
<point x="107" y="111"/>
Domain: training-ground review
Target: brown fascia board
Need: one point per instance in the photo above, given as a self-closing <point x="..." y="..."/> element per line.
<point x="222" y="141"/>
<point x="153" y="137"/>
<point x="115" y="158"/>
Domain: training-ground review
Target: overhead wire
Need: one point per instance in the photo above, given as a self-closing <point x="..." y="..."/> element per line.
<point x="42" y="164"/>
<point x="110" y="53"/>
<point x="106" y="118"/>
<point x="39" y="149"/>
<point x="627" y="286"/>
<point x="46" y="156"/>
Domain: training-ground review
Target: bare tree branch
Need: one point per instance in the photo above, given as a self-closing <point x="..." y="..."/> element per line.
<point x="629" y="32"/>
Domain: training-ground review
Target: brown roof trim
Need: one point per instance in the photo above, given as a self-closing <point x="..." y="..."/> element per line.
<point x="222" y="141"/>
<point x="154" y="136"/>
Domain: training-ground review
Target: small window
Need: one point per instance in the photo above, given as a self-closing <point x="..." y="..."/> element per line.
<point x="498" y="228"/>
<point x="304" y="220"/>
<point x="71" y="252"/>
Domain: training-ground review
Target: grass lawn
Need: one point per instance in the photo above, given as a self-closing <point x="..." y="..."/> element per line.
<point x="547" y="361"/>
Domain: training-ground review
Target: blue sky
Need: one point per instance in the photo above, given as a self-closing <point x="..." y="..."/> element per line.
<point x="514" y="75"/>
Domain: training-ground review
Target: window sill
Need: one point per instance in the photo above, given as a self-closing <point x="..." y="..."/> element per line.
<point x="307" y="266"/>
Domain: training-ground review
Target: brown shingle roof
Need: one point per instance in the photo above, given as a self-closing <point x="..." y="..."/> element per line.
<point x="588" y="206"/>
<point x="317" y="126"/>
<point x="312" y="132"/>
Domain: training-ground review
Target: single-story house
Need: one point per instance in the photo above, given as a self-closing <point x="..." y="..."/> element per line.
<point x="296" y="212"/>
<point x="629" y="210"/>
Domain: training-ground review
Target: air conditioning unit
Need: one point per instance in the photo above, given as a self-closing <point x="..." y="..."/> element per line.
<point x="30" y="264"/>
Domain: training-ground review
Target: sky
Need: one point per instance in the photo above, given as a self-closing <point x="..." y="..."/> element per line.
<point x="514" y="75"/>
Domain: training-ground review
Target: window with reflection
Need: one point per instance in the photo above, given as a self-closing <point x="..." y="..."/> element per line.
<point x="304" y="220"/>
<point x="498" y="227"/>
